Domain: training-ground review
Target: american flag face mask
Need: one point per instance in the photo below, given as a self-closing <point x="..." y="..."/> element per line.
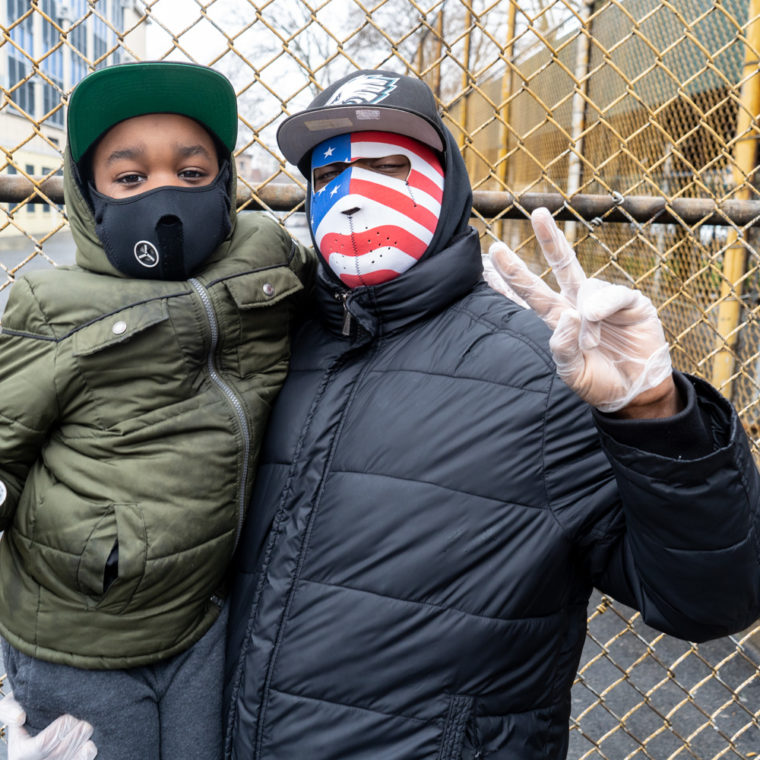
<point x="392" y="220"/>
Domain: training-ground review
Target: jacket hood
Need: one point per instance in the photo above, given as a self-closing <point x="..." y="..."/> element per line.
<point x="90" y="254"/>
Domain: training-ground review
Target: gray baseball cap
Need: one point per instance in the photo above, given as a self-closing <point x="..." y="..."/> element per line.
<point x="364" y="101"/>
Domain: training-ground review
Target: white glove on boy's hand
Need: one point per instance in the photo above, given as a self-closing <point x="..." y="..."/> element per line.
<point x="66" y="738"/>
<point x="608" y="342"/>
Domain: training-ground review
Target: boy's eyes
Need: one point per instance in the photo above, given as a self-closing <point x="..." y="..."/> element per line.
<point x="193" y="174"/>
<point x="129" y="179"/>
<point x="136" y="178"/>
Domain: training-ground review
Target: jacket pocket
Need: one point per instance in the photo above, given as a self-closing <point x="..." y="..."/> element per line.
<point x="265" y="303"/>
<point x="256" y="290"/>
<point x="119" y="327"/>
<point x="112" y="563"/>
<point x="458" y="719"/>
<point x="131" y="363"/>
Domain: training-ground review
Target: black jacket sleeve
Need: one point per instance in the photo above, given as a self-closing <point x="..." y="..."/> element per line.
<point x="679" y="539"/>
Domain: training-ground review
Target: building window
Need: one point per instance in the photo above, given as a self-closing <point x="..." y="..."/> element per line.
<point x="52" y="67"/>
<point x="78" y="37"/>
<point x="29" y="169"/>
<point x="99" y="48"/>
<point x="103" y="37"/>
<point x="18" y="66"/>
<point x="51" y="97"/>
<point x="45" y="172"/>
<point x="22" y="96"/>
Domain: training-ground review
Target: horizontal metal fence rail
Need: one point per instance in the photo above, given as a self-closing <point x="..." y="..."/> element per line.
<point x="489" y="204"/>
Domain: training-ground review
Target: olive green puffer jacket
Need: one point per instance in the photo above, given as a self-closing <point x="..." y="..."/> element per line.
<point x="131" y="413"/>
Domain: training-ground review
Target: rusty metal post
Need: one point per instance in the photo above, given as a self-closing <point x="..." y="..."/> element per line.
<point x="438" y="53"/>
<point x="507" y="88"/>
<point x="421" y="53"/>
<point x="578" y="118"/>
<point x="744" y="165"/>
<point x="464" y="132"/>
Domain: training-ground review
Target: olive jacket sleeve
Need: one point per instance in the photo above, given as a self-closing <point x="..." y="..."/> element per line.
<point x="28" y="395"/>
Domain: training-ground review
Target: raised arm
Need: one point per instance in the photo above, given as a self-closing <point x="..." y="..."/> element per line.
<point x="677" y="535"/>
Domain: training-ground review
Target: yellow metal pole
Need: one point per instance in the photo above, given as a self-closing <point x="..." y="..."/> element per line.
<point x="578" y="117"/>
<point x="466" y="84"/>
<point x="745" y="157"/>
<point x="506" y="93"/>
<point x="438" y="54"/>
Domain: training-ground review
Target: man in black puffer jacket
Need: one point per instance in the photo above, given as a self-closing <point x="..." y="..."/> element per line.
<point x="433" y="503"/>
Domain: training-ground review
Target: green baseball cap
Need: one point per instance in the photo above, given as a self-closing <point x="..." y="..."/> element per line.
<point x="108" y="96"/>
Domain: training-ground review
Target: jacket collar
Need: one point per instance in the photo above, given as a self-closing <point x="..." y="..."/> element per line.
<point x="428" y="287"/>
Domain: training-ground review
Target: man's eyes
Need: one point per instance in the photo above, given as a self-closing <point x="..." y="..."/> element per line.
<point x="397" y="170"/>
<point x="392" y="165"/>
<point x="327" y="173"/>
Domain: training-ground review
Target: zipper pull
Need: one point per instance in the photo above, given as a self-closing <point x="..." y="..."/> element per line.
<point x="343" y="297"/>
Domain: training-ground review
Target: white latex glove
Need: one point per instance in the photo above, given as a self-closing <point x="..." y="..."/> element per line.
<point x="66" y="738"/>
<point x="608" y="342"/>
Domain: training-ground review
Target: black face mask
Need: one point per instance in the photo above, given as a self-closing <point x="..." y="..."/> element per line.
<point x="165" y="233"/>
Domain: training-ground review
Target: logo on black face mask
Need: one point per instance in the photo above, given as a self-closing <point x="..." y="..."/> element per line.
<point x="146" y="253"/>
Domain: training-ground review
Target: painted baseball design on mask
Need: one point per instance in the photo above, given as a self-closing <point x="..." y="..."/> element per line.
<point x="370" y="227"/>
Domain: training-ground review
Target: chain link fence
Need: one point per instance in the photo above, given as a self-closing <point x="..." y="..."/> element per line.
<point x="634" y="121"/>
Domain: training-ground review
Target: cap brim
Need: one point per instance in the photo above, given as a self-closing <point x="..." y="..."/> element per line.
<point x="299" y="133"/>
<point x="111" y="95"/>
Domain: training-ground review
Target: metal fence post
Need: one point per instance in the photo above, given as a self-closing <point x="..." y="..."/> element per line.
<point x="507" y="88"/>
<point x="735" y="257"/>
<point x="578" y="118"/>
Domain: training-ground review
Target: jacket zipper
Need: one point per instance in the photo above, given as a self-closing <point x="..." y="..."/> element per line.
<point x="343" y="298"/>
<point x="230" y="395"/>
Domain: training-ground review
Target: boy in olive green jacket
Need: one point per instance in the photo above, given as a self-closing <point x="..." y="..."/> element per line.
<point x="134" y="391"/>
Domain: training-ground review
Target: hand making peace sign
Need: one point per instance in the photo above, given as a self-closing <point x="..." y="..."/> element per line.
<point x="608" y="342"/>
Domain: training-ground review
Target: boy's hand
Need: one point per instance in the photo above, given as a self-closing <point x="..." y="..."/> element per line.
<point x="66" y="738"/>
<point x="608" y="342"/>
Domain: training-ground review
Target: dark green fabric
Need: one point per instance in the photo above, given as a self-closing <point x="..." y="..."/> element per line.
<point x="118" y="422"/>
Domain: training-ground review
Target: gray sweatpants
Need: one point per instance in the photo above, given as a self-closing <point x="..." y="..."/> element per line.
<point x="171" y="710"/>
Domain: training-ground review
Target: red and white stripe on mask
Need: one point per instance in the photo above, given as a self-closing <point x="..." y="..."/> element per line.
<point x="370" y="227"/>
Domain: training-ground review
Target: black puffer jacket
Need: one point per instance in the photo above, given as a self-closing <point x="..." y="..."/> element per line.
<point x="432" y="509"/>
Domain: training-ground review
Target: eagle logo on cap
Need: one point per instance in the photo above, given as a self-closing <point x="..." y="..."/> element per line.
<point x="365" y="88"/>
